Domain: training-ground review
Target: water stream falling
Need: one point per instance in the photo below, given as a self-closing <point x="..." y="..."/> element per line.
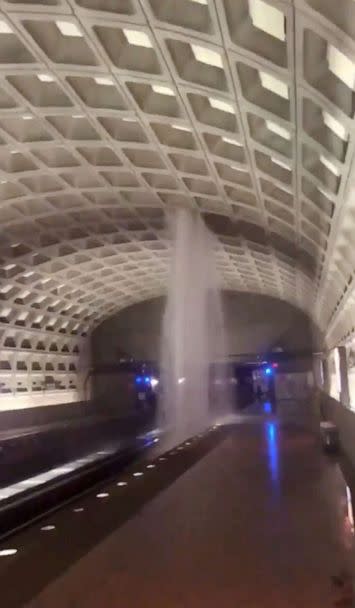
<point x="194" y="385"/>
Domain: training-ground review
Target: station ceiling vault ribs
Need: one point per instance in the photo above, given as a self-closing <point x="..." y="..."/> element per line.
<point x="114" y="111"/>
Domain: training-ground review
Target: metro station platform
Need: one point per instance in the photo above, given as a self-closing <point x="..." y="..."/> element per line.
<point x="250" y="515"/>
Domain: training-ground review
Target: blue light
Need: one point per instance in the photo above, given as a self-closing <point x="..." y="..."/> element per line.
<point x="147" y="380"/>
<point x="139" y="379"/>
<point x="273" y="451"/>
<point x="267" y="407"/>
<point x="268" y="371"/>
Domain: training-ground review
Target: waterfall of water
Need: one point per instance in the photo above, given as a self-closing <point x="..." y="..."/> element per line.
<point x="193" y="371"/>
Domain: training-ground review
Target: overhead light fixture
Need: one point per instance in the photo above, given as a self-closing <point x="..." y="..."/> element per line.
<point x="242" y="169"/>
<point x="207" y="56"/>
<point x="138" y="38"/>
<point x="68" y="28"/>
<point x="273" y="84"/>
<point x="5" y="28"/>
<point x="220" y="104"/>
<point x="78" y="116"/>
<point x="341" y="66"/>
<point x="334" y="125"/>
<point x="45" y="78"/>
<point x="129" y="119"/>
<point x="280" y="163"/>
<point x="278" y="130"/>
<point x="329" y="165"/>
<point x="285" y="188"/>
<point x="163" y="90"/>
<point x="324" y="193"/>
<point x="27" y="117"/>
<point x="204" y="2"/>
<point x="181" y="128"/>
<point x="267" y="18"/>
<point x="14" y="152"/>
<point x="4" y="312"/>
<point x="104" y="81"/>
<point x="232" y="142"/>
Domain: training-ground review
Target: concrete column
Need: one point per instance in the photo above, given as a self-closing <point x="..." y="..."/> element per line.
<point x="344" y="381"/>
<point x="326" y="375"/>
<point x="318" y="371"/>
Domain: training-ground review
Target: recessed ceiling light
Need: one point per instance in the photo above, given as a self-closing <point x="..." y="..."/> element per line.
<point x="3" y="181"/>
<point x="150" y="466"/>
<point x="330" y="166"/>
<point x="5" y="28"/>
<point x="78" y="509"/>
<point x="78" y="116"/>
<point x="334" y="125"/>
<point x="138" y="38"/>
<point x="274" y="84"/>
<point x="280" y="163"/>
<point x="104" y="81"/>
<point x="285" y="188"/>
<point x="267" y="18"/>
<point x="205" y="2"/>
<point x="27" y="116"/>
<point x="48" y="528"/>
<point x="341" y="66"/>
<point x="326" y="194"/>
<point x="181" y="128"/>
<point x="138" y="474"/>
<point x="102" y="495"/>
<point x="219" y="104"/>
<point x="7" y="552"/>
<point x="67" y="28"/>
<point x="242" y="169"/>
<point x="122" y="483"/>
<point x="14" y="152"/>
<point x="233" y="142"/>
<point x="129" y="119"/>
<point x="207" y="56"/>
<point x="278" y="130"/>
<point x="162" y="90"/>
<point x="45" y="78"/>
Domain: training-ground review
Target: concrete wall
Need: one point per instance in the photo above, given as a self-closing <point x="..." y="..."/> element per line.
<point x="293" y="386"/>
<point x="254" y="323"/>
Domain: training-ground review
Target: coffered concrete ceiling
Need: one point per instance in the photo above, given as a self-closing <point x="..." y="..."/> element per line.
<point x="113" y="112"/>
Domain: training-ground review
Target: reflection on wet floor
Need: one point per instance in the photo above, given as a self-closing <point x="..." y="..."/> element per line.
<point x="272" y="450"/>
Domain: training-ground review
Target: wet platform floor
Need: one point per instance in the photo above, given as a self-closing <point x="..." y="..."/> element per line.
<point x="260" y="520"/>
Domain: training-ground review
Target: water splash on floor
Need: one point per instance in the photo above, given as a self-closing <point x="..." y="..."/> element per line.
<point x="194" y="372"/>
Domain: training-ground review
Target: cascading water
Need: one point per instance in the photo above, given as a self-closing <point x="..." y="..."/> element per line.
<point x="193" y="371"/>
